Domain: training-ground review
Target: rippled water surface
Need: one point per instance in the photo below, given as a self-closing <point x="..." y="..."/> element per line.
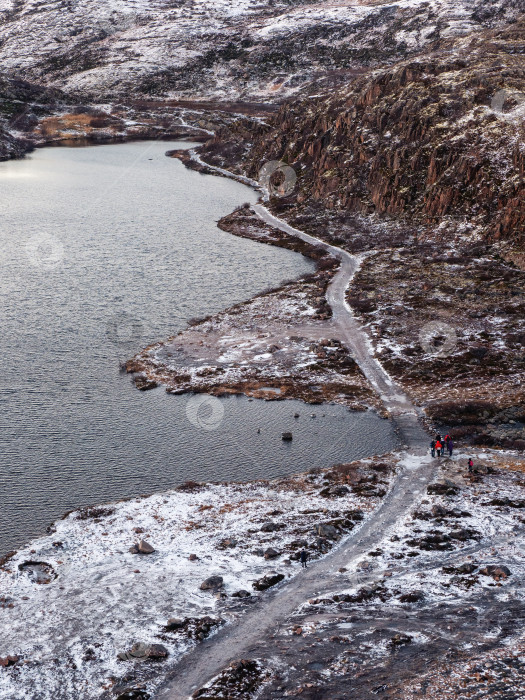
<point x="103" y="250"/>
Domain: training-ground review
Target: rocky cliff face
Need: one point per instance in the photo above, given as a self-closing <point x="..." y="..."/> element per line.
<point x="434" y="140"/>
<point x="251" y="50"/>
<point x="22" y="104"/>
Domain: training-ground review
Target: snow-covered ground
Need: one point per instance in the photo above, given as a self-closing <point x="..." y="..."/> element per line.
<point x="86" y="597"/>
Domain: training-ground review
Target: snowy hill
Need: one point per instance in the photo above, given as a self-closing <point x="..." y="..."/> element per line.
<point x="242" y="50"/>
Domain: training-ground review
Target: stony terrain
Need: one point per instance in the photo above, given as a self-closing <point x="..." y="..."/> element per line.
<point x="434" y="141"/>
<point x="115" y="577"/>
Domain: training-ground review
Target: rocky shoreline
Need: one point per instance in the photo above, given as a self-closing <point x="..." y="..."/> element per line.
<point x="276" y="346"/>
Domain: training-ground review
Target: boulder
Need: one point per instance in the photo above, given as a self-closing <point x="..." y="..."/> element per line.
<point x="193" y="557"/>
<point x="442" y="489"/>
<point x="271" y="553"/>
<point x="228" y="543"/>
<point x="412" y="597"/>
<point x="139" y="650"/>
<point x="212" y="583"/>
<point x="271" y="579"/>
<point x="142" y="651"/>
<point x="496" y="571"/>
<point x="174" y="623"/>
<point x="134" y="694"/>
<point x="334" y="491"/>
<point x="461" y="570"/>
<point x="399" y="640"/>
<point x="271" y="527"/>
<point x="9" y="660"/>
<point x="328" y="531"/>
<point x="463" y="534"/>
<point x="241" y="594"/>
<point x="157" y="652"/>
<point x="145" y="547"/>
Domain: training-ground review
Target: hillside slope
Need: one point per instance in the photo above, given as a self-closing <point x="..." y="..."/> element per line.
<point x="434" y="140"/>
<point x="246" y="50"/>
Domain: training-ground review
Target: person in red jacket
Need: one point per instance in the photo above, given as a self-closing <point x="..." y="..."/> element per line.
<point x="439" y="448"/>
<point x="470" y="465"/>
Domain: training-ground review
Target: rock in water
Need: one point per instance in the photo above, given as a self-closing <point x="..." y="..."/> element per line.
<point x="212" y="583"/>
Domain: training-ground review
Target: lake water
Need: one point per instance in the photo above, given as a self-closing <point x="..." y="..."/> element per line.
<point x="103" y="250"/>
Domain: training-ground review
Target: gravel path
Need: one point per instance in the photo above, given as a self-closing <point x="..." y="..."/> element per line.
<point x="267" y="613"/>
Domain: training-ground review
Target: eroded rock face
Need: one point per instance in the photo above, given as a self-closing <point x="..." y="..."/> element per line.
<point x="418" y="140"/>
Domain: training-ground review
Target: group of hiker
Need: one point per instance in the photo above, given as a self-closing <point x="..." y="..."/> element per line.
<point x="439" y="445"/>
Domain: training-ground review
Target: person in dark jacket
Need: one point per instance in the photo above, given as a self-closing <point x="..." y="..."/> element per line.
<point x="450" y="445"/>
<point x="433" y="448"/>
<point x="303" y="558"/>
<point x="470" y="465"/>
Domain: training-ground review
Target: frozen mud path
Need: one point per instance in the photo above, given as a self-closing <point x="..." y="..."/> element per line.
<point x="403" y="412"/>
<point x="248" y="635"/>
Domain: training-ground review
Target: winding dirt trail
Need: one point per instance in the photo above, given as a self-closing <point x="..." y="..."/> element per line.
<point x="403" y="412"/>
<point x="246" y="636"/>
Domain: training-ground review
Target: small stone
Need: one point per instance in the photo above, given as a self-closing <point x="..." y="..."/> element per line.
<point x="287" y="437"/>
<point x="193" y="557"/>
<point x="271" y="553"/>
